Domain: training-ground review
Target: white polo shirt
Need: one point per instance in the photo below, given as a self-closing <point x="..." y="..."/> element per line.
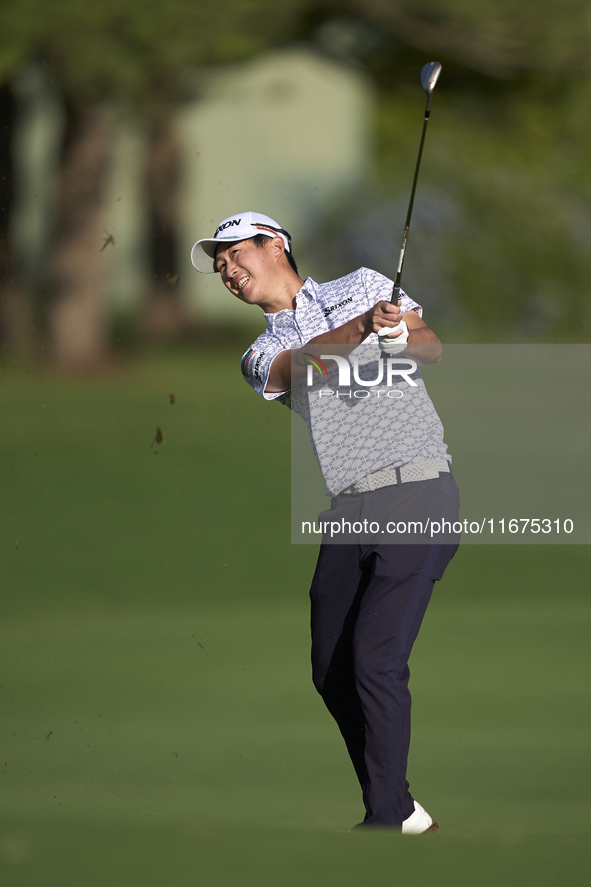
<point x="319" y="307"/>
<point x="351" y="437"/>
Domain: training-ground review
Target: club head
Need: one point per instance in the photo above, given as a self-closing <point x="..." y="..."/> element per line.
<point x="429" y="75"/>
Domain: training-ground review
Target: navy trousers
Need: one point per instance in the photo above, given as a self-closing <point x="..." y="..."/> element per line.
<point x="368" y="603"/>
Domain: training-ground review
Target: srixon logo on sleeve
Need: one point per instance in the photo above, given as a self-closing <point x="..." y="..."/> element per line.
<point x="228" y="224"/>
<point x="250" y="364"/>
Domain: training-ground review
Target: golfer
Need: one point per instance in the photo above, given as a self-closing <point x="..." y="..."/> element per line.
<point x="368" y="596"/>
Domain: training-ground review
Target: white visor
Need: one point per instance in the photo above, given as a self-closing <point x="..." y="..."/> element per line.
<point x="238" y="227"/>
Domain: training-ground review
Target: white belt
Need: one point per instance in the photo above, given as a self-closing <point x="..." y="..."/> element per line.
<point x="389" y="476"/>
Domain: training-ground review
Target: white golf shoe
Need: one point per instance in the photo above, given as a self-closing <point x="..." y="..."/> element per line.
<point x="419" y="822"/>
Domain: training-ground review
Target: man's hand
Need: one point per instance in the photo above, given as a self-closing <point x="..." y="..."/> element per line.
<point x="392" y="344"/>
<point x="423" y="345"/>
<point x="384" y="314"/>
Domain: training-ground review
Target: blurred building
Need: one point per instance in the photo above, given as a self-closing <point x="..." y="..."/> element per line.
<point x="286" y="135"/>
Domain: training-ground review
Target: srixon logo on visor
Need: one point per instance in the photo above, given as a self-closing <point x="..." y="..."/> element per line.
<point x="227" y="225"/>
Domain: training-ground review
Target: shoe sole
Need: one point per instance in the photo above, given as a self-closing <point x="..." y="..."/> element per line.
<point x="432" y="828"/>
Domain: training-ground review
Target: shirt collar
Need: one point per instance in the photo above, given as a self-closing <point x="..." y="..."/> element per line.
<point x="310" y="289"/>
<point x="308" y="292"/>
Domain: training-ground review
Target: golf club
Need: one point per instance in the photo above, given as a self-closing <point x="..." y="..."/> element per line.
<point x="429" y="76"/>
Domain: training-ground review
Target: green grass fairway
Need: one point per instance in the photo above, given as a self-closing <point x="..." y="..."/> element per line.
<point x="159" y="725"/>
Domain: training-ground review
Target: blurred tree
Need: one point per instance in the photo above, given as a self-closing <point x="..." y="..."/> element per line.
<point x="140" y="54"/>
<point x="499" y="38"/>
<point x="502" y="222"/>
<point x="509" y="158"/>
<point x="164" y="314"/>
<point x="13" y="322"/>
<point x="76" y="310"/>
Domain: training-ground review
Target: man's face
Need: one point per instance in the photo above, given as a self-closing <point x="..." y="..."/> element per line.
<point x="246" y="270"/>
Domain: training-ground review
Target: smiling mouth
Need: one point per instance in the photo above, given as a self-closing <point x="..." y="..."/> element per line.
<point x="242" y="282"/>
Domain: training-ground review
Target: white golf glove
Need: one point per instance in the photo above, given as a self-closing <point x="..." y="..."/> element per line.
<point x="396" y="345"/>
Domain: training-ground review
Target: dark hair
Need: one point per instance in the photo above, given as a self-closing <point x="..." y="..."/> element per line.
<point x="261" y="239"/>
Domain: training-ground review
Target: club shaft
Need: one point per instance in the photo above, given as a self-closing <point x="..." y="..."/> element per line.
<point x="396" y="290"/>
